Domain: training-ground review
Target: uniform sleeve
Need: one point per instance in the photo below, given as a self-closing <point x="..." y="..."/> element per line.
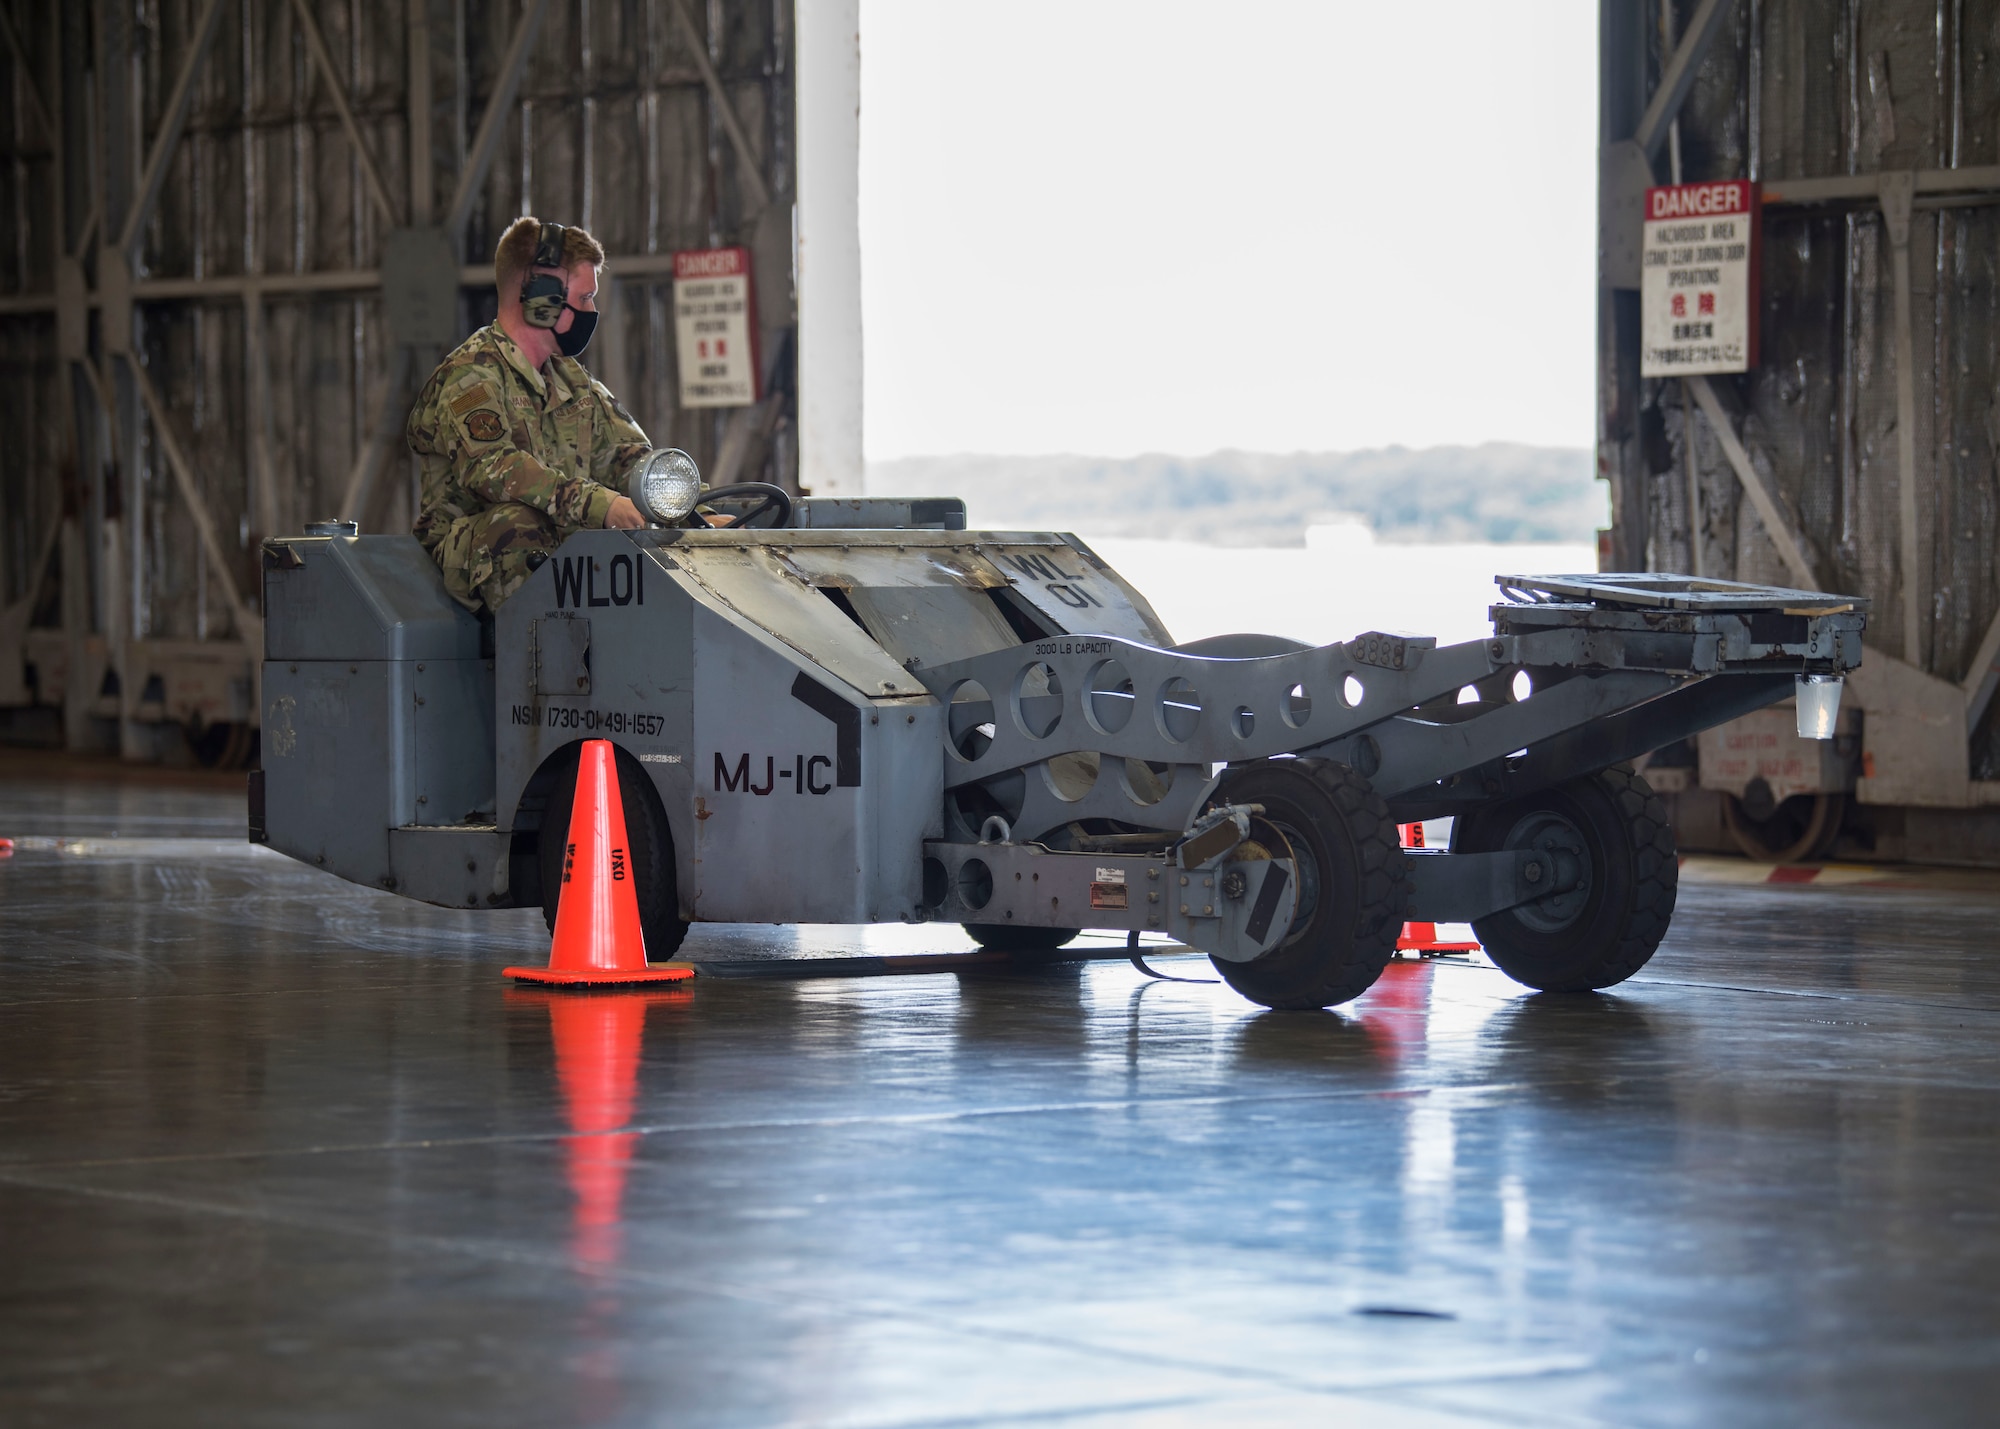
<point x="468" y="424"/>
<point x="618" y="443"/>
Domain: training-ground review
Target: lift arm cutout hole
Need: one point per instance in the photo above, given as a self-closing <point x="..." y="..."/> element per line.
<point x="1037" y="701"/>
<point x="1178" y="710"/>
<point x="1108" y="697"/>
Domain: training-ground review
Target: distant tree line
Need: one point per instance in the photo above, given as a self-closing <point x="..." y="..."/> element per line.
<point x="1499" y="492"/>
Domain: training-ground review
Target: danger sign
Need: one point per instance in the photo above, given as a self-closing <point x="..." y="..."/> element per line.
<point x="715" y="325"/>
<point x="1698" y="285"/>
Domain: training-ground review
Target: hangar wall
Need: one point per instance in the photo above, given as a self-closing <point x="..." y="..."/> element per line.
<point x="201" y="205"/>
<point x="1872" y="420"/>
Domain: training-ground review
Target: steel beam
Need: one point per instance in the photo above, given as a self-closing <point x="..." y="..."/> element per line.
<point x="1667" y="45"/>
<point x="1620" y="735"/>
<point x="1861" y="188"/>
<point x="248" y="626"/>
<point x="610" y="365"/>
<point x="38" y="569"/>
<point x="334" y="280"/>
<point x="263" y="473"/>
<point x="1679" y="74"/>
<point x="337" y="89"/>
<point x="1692" y="471"/>
<point x="1982" y="680"/>
<point x="65" y="92"/>
<point x="629" y="265"/>
<point x="87" y="234"/>
<point x="1898" y="191"/>
<point x="95" y="381"/>
<point x="381" y="432"/>
<point x="746" y="157"/>
<point x="59" y="180"/>
<point x="157" y="290"/>
<point x="1791" y="547"/>
<point x="421" y="179"/>
<point x="172" y="118"/>
<point x="24" y="76"/>
<point x="487" y="139"/>
<point x="76" y="620"/>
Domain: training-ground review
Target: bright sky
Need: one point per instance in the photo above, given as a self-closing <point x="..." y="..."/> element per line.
<point x="1123" y="226"/>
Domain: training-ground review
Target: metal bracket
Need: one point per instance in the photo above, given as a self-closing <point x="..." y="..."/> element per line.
<point x="1465" y="887"/>
<point x="1214" y="834"/>
<point x="420" y="287"/>
<point x="1236" y="910"/>
<point x="72" y="311"/>
<point x="1623" y="176"/>
<point x="114" y="300"/>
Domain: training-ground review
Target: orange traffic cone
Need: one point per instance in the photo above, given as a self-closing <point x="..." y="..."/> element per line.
<point x="598" y="939"/>
<point x="1423" y="937"/>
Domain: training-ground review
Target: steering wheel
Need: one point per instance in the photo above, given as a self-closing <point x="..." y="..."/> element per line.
<point x="767" y="497"/>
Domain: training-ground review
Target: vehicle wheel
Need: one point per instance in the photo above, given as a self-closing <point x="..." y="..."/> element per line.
<point x="649" y="841"/>
<point x="1353" y="881"/>
<point x="1603" y="930"/>
<point x="1006" y="938"/>
<point x="1802" y="829"/>
<point x="225" y="744"/>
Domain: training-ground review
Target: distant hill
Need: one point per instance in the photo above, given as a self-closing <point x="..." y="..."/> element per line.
<point x="1499" y="492"/>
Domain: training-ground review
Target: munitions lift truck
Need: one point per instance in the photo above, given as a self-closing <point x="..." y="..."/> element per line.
<point x="852" y="711"/>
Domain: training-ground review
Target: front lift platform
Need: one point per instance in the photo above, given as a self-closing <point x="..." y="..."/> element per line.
<point x="1522" y="737"/>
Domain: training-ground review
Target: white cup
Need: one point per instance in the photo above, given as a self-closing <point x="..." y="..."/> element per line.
<point x="1819" y="705"/>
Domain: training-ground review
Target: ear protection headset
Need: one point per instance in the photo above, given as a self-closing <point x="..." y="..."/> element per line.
<point x="544" y="294"/>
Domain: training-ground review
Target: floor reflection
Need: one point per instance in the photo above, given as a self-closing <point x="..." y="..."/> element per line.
<point x="1329" y="1041"/>
<point x="1398" y="1008"/>
<point x="1388" y="1030"/>
<point x="1577" y="1047"/>
<point x="599" y="1042"/>
<point x="599" y="1039"/>
<point x="284" y="1141"/>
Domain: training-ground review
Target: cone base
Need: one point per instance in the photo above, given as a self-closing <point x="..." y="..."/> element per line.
<point x="601" y="977"/>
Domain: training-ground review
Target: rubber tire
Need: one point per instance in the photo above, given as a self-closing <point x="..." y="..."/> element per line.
<point x="649" y="841"/>
<point x="1635" y="877"/>
<point x="1006" y="938"/>
<point x="1363" y="889"/>
<point x="1771" y="841"/>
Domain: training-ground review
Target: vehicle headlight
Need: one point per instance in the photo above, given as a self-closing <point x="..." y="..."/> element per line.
<point x="665" y="485"/>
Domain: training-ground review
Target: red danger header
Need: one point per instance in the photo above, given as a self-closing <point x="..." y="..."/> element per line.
<point x="1700" y="200"/>
<point x="711" y="263"/>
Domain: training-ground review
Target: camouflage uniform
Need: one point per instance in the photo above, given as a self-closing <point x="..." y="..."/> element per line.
<point x="514" y="460"/>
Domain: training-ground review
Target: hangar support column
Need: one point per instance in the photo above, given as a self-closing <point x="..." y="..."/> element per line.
<point x="829" y="247"/>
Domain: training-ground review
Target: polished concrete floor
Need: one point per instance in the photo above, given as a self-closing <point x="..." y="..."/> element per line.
<point x="274" y="1149"/>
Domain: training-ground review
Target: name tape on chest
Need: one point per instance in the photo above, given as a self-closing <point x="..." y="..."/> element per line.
<point x="478" y="396"/>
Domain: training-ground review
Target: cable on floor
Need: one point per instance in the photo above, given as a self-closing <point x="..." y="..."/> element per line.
<point x="1132" y="950"/>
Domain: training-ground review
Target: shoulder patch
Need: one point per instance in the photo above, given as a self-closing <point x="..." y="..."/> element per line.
<point x="485" y="425"/>
<point x="478" y="395"/>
